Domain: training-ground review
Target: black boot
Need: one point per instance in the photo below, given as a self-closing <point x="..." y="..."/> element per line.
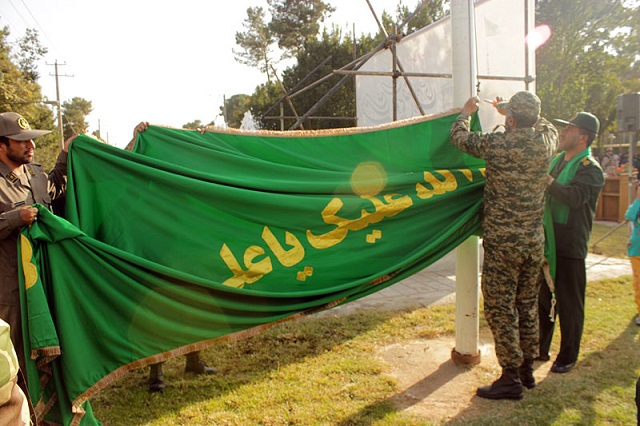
<point x="156" y="378"/>
<point x="526" y="374"/>
<point x="508" y="386"/>
<point x="196" y="366"/>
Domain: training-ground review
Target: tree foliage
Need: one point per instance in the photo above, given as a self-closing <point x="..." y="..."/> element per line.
<point x="425" y="12"/>
<point x="294" y="22"/>
<point x="590" y="59"/>
<point x="193" y="125"/>
<point x="339" y="110"/>
<point x="309" y="67"/>
<point x="20" y="93"/>
<point x="29" y="52"/>
<point x="234" y="109"/>
<point x="74" y="113"/>
<point x="255" y="42"/>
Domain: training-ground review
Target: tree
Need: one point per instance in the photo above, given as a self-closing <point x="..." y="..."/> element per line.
<point x="263" y="98"/>
<point x="315" y="51"/>
<point x="294" y="22"/>
<point x="426" y="12"/>
<point x="29" y="53"/>
<point x="590" y="58"/>
<point x="255" y="42"/>
<point x="20" y="93"/>
<point x="74" y="113"/>
<point x="234" y="110"/>
<point x="194" y="125"/>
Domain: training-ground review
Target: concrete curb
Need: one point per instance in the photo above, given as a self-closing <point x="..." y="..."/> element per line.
<point x="436" y="284"/>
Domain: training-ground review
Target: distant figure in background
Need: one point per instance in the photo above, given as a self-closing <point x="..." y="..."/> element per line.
<point x="633" y="216"/>
<point x="575" y="180"/>
<point x="193" y="362"/>
<point x="608" y="162"/>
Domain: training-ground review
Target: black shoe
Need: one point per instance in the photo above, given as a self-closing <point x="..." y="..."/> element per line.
<point x="200" y="368"/>
<point x="558" y="367"/>
<point x="543" y="357"/>
<point x="156" y="378"/>
<point x="157" y="385"/>
<point x="196" y="366"/>
<point x="508" y="386"/>
<point x="526" y="374"/>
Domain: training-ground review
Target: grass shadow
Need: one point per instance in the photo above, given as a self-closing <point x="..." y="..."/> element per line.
<point x="240" y="364"/>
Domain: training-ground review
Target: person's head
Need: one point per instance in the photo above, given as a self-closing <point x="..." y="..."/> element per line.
<point x="523" y="110"/>
<point x="16" y="138"/>
<point x="608" y="151"/>
<point x="579" y="133"/>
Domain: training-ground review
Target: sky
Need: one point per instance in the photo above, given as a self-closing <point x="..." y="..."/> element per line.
<point x="141" y="60"/>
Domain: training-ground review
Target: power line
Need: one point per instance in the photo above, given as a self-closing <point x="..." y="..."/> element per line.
<point x="27" y="23"/>
<point x="18" y="12"/>
<point x="39" y="26"/>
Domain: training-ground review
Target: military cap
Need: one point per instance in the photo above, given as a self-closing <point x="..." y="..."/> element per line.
<point x="584" y="120"/>
<point x="523" y="104"/>
<point x="16" y="127"/>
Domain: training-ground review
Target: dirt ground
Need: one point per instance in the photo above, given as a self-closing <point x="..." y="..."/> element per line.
<point x="436" y="389"/>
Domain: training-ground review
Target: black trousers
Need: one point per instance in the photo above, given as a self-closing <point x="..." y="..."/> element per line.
<point x="570" y="287"/>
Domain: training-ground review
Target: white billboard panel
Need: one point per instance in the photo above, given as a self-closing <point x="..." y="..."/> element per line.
<point x="501" y="27"/>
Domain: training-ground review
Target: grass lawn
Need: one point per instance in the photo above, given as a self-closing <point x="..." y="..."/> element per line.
<point x="325" y="371"/>
<point x="609" y="239"/>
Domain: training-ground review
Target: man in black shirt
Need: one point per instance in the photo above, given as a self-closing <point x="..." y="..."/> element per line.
<point x="575" y="182"/>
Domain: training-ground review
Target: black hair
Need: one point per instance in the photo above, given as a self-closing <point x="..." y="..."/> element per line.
<point x="590" y="135"/>
<point x="4" y="140"/>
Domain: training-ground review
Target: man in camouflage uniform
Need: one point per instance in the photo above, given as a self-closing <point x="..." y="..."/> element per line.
<point x="517" y="161"/>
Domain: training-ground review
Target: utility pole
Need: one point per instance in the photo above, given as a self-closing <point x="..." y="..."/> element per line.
<point x="60" y="125"/>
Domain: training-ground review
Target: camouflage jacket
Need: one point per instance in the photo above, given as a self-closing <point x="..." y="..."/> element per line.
<point x="517" y="162"/>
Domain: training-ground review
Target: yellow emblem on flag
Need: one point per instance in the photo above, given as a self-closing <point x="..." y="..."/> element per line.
<point x="28" y="268"/>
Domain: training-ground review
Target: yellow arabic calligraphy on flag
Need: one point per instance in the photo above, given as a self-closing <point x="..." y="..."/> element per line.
<point x="194" y="237"/>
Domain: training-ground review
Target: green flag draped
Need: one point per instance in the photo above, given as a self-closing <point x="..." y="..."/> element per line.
<point x="194" y="237"/>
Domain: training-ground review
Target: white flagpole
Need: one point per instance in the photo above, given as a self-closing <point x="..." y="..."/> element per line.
<point x="465" y="76"/>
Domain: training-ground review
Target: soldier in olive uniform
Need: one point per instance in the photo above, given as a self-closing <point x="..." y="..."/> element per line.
<point x="22" y="183"/>
<point x="517" y="161"/>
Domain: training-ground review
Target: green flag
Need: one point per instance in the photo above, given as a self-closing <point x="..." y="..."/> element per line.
<point x="194" y="237"/>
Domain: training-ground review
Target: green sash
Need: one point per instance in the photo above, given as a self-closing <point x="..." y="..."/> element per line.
<point x="556" y="211"/>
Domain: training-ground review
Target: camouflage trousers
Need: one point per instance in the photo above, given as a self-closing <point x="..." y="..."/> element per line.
<point x="510" y="289"/>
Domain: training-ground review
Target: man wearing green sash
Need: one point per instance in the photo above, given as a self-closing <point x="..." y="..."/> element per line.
<point x="575" y="181"/>
<point x="513" y="237"/>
